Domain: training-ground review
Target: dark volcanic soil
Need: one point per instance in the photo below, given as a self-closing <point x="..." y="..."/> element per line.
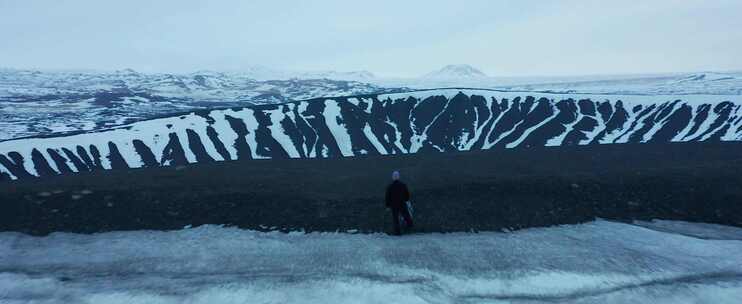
<point x="484" y="190"/>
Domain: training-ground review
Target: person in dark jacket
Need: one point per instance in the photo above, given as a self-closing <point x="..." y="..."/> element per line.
<point x="397" y="196"/>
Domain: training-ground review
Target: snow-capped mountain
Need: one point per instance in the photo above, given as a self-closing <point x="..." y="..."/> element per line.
<point x="33" y="102"/>
<point x="200" y="85"/>
<point x="456" y="71"/>
<point x="401" y="123"/>
<point x="259" y="72"/>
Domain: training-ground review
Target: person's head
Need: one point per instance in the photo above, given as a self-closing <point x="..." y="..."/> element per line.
<point x="395" y="175"/>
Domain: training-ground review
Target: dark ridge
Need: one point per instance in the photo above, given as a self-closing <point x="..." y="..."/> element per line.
<point x="114" y="157"/>
<point x="86" y="158"/>
<point x="648" y="123"/>
<point x="549" y="130"/>
<point x="40" y="164"/>
<point x="702" y="113"/>
<point x="587" y="107"/>
<point x="324" y="136"/>
<point x="667" y="110"/>
<point x="292" y="131"/>
<point x="737" y="122"/>
<point x="380" y="129"/>
<point x="567" y="114"/>
<point x="605" y="109"/>
<point x="59" y="161"/>
<point x="220" y="148"/>
<point x="355" y="118"/>
<point x="615" y="123"/>
<point x="639" y="117"/>
<point x="197" y="147"/>
<point x="507" y="121"/>
<point x="307" y="136"/>
<point x="240" y="144"/>
<point x="14" y="163"/>
<point x="538" y="114"/>
<point x="173" y="153"/>
<point x="722" y="110"/>
<point x="482" y="111"/>
<point x="79" y="164"/>
<point x="148" y="158"/>
<point x="676" y="122"/>
<point x="404" y="114"/>
<point x="577" y="134"/>
<point x="452" y="121"/>
<point x="96" y="157"/>
<point x="496" y="109"/>
<point x="268" y="146"/>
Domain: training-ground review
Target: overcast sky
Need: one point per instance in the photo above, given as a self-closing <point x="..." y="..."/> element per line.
<point x="388" y="38"/>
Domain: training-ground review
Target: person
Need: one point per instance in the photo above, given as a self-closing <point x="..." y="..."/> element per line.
<point x="397" y="196"/>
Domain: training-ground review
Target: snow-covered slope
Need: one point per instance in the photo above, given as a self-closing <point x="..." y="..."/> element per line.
<point x="597" y="262"/>
<point x="422" y="121"/>
<point x="37" y="103"/>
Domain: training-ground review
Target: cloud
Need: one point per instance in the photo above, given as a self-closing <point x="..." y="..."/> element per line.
<point x="394" y="38"/>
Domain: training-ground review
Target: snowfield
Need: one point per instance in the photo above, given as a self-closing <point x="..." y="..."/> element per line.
<point x="597" y="262"/>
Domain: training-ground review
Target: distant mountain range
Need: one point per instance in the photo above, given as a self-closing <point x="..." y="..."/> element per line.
<point x="37" y="103"/>
<point x="440" y="120"/>
<point x="265" y="73"/>
<point x="456" y="71"/>
<point x="34" y="102"/>
<point x="197" y="86"/>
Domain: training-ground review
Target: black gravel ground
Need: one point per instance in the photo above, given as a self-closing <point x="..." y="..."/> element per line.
<point x="483" y="190"/>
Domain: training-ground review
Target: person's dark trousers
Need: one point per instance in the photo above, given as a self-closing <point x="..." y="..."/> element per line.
<point x="395" y="219"/>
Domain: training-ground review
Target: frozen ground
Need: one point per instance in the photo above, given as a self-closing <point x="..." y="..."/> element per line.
<point x="597" y="262"/>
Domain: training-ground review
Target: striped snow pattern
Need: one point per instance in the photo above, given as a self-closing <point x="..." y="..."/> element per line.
<point x="423" y="121"/>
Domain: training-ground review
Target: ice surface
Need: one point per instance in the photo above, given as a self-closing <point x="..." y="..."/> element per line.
<point x="597" y="262"/>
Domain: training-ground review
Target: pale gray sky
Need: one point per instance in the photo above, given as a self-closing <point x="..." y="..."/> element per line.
<point x="389" y="38"/>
